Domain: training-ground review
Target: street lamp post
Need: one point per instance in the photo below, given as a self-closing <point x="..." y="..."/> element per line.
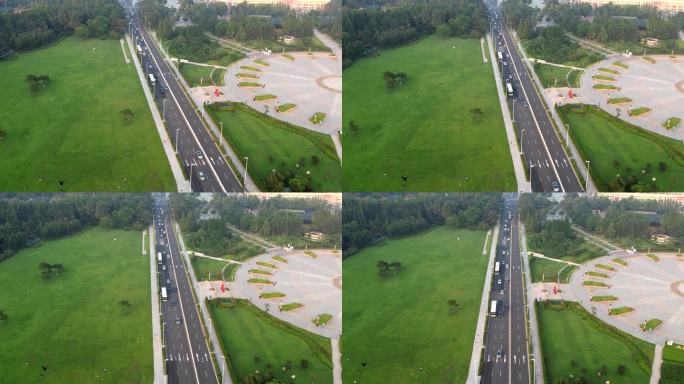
<point x="586" y="178"/>
<point x="244" y="176"/>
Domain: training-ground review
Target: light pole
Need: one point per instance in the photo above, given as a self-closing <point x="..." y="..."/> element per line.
<point x="586" y="178"/>
<point x="244" y="177"/>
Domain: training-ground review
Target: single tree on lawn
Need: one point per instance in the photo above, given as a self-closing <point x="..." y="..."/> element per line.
<point x="353" y="127"/>
<point x="305" y="363"/>
<point x="127" y="115"/>
<point x="3" y="133"/>
<point x="453" y="306"/>
<point x="3" y="315"/>
<point x="477" y="114"/>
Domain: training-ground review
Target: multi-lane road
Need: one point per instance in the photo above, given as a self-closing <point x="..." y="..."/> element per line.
<point x="199" y="155"/>
<point x="187" y="355"/>
<point x="549" y="165"/>
<point x="506" y="352"/>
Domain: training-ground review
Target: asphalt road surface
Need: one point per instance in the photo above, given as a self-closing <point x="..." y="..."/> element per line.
<point x="200" y="157"/>
<point x="187" y="354"/>
<point x="549" y="165"/>
<point x="506" y="353"/>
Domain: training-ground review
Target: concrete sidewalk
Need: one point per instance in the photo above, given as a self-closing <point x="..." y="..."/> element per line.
<point x="523" y="184"/>
<point x="657" y="364"/>
<point x="478" y="343"/>
<point x="531" y="312"/>
<point x="336" y="361"/>
<point x="157" y="358"/>
<point x="182" y="184"/>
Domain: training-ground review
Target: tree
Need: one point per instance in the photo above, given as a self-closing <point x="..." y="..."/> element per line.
<point x="304" y="363"/>
<point x="453" y="306"/>
<point x="4" y="317"/>
<point x="36" y="83"/>
<point x="127" y="115"/>
<point x="621" y="369"/>
<point x="275" y="182"/>
<point x="3" y="134"/>
<point x="353" y="127"/>
<point x="126" y="307"/>
<point x="477" y="114"/>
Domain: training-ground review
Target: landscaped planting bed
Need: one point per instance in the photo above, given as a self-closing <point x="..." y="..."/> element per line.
<point x="604" y="86"/>
<point x="620" y="310"/>
<point x="672" y="122"/>
<point x="265" y="264"/>
<point x="639" y="111"/>
<point x="651" y="324"/>
<point x="265" y="97"/>
<point x="620" y="261"/>
<point x="596" y="274"/>
<point x="285" y="107"/>
<point x="322" y="319"/>
<point x="260" y="272"/>
<point x="290" y="307"/>
<point x="601" y="298"/>
<point x="592" y="283"/>
<point x="608" y="70"/>
<point x="260" y="281"/>
<point x="271" y="295"/>
<point x="606" y="267"/>
<point x="619" y="100"/>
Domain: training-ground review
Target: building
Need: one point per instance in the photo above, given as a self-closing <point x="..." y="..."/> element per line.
<point x="314" y="235"/>
<point x="672" y="6"/>
<point x="661" y="238"/>
<point x="300" y="5"/>
<point x="672" y="197"/>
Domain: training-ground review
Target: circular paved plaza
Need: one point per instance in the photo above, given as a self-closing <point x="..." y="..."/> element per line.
<point x="658" y="86"/>
<point x="314" y="282"/>
<point x="655" y="290"/>
<point x="313" y="82"/>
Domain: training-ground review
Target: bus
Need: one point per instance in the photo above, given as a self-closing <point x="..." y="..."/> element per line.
<point x="500" y="55"/>
<point x="492" y="308"/>
<point x="509" y="89"/>
<point x="152" y="79"/>
<point x="163" y="294"/>
<point x="159" y="257"/>
<point x="497" y="266"/>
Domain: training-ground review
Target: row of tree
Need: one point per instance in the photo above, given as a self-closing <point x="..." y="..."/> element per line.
<point x="44" y="22"/>
<point x="26" y="219"/>
<point x="368" y="218"/>
<point x="365" y="30"/>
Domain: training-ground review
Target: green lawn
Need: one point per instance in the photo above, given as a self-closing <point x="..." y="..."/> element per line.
<point x="73" y="322"/>
<point x="551" y="76"/>
<point x="576" y="343"/>
<point x="632" y="149"/>
<point x="272" y="144"/>
<point x="399" y="324"/>
<point x="424" y="129"/>
<point x="547" y="270"/>
<point x="73" y="130"/>
<point x="197" y="75"/>
<point x="253" y="340"/>
<point x="203" y="267"/>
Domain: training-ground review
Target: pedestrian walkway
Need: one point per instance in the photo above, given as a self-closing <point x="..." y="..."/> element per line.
<point x="157" y="357"/>
<point x="478" y="344"/>
<point x="540" y="61"/>
<point x="484" y="55"/>
<point x="182" y="184"/>
<point x="657" y="364"/>
<point x="337" y="361"/>
<point x="521" y="179"/>
<point x="198" y="254"/>
<point x="124" y="51"/>
<point x="540" y="256"/>
<point x="598" y="241"/>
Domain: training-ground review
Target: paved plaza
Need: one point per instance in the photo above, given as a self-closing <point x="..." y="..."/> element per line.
<point x="313" y="82"/>
<point x="658" y="86"/>
<point x="314" y="282"/>
<point x="655" y="289"/>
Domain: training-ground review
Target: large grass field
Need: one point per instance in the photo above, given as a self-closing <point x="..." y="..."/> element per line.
<point x="551" y="76"/>
<point x="424" y="129"/>
<point x="197" y="75"/>
<point x="576" y="343"/>
<point x="73" y="130"/>
<point x="74" y="322"/>
<point x="254" y="340"/>
<point x="400" y="324"/>
<point x="272" y="144"/>
<point x="205" y="268"/>
<point x="631" y="149"/>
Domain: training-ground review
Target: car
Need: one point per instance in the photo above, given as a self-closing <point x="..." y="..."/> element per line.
<point x="168" y="281"/>
<point x="201" y="175"/>
<point x="164" y="267"/>
<point x="178" y="320"/>
<point x="555" y="186"/>
<point x="498" y="354"/>
<point x="505" y="62"/>
<point x="499" y="282"/>
<point x="199" y="154"/>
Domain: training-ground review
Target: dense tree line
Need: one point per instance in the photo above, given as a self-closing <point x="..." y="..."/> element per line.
<point x="44" y="22"/>
<point x="367" y="218"/>
<point x="28" y="219"/>
<point x="329" y="20"/>
<point x="271" y="217"/>
<point x="367" y="29"/>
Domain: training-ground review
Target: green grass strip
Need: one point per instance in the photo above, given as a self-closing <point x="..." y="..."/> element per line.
<point x="271" y="295"/>
<point x="639" y="111"/>
<point x="245" y="84"/>
<point x="250" y="68"/>
<point x="285" y="107"/>
<point x="620" y="261"/>
<point x="601" y="298"/>
<point x="322" y="319"/>
<point x="604" y="86"/>
<point x="262" y="62"/>
<point x="317" y="117"/>
<point x="608" y="70"/>
<point x="592" y="283"/>
<point x="280" y="258"/>
<point x="620" y="64"/>
<point x="620" y="310"/>
<point x="603" y="77"/>
<point x="653" y="257"/>
<point x="649" y="59"/>
<point x="264" y="97"/>
<point x="651" y="324"/>
<point x="290" y="307"/>
<point x="261" y="272"/>
<point x="597" y="274"/>
<point x="672" y="122"/>
<point x="288" y="56"/>
<point x="246" y="75"/>
<point x="619" y="100"/>
<point x="312" y="254"/>
<point x="606" y="267"/>
<point x="268" y="265"/>
<point x="260" y="281"/>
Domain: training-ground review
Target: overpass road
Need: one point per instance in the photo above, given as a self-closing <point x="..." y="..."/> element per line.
<point x="506" y="352"/>
<point x="186" y="351"/>
<point x="548" y="163"/>
<point x="199" y="155"/>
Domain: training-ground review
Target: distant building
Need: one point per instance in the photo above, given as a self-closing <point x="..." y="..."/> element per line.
<point x="650" y="41"/>
<point x="661" y="238"/>
<point x="314" y="235"/>
<point x="672" y="6"/>
<point x="300" y="5"/>
<point x="287" y="39"/>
